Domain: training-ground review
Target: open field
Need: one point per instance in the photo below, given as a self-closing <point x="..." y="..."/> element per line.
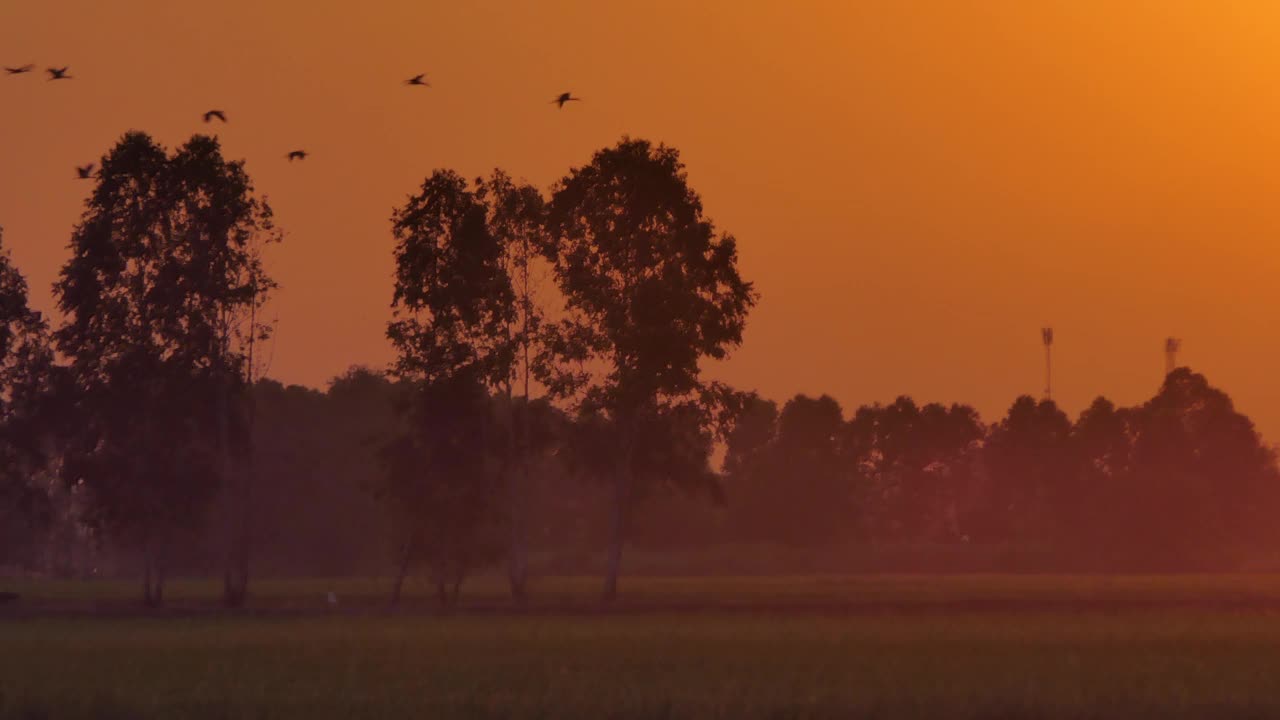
<point x="783" y="594"/>
<point x="882" y="647"/>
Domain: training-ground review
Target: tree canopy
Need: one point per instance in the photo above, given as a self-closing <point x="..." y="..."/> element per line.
<point x="159" y="297"/>
<point x="26" y="363"/>
<point x="651" y="291"/>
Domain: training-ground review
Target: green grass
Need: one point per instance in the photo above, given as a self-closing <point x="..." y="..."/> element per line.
<point x="852" y="592"/>
<point x="845" y="661"/>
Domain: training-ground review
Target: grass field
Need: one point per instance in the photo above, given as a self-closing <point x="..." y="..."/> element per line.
<point x="873" y="647"/>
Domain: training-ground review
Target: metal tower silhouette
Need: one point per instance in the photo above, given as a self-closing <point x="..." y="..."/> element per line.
<point x="1171" y="347"/>
<point x="1046" y="334"/>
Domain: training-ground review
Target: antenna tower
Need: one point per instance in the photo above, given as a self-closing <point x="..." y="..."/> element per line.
<point x="1046" y="334"/>
<point x="1171" y="347"/>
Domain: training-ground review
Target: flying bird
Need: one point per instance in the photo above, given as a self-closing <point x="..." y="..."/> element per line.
<point x="85" y="172"/>
<point x="20" y="70"/>
<point x="297" y="155"/>
<point x="58" y="73"/>
<point x="564" y="98"/>
<point x="215" y="114"/>
<point x="420" y="79"/>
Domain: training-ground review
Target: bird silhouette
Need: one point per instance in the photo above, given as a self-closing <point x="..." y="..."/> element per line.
<point x="20" y="70"/>
<point x="297" y="155"/>
<point x="215" y="114"/>
<point x="563" y="98"/>
<point x="58" y="73"/>
<point x="85" y="172"/>
<point x="420" y="79"/>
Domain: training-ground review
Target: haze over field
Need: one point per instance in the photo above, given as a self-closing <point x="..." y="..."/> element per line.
<point x="639" y="359"/>
<point x="917" y="187"/>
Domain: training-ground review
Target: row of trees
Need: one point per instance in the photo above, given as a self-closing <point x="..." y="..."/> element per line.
<point x="136" y="402"/>
<point x="549" y="348"/>
<point x="148" y="411"/>
<point x="1180" y="481"/>
<point x="644" y="291"/>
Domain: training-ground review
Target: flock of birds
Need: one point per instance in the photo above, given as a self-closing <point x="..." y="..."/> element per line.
<point x="85" y="172"/>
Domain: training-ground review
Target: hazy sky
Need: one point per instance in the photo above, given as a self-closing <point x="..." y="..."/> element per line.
<point x="916" y="187"/>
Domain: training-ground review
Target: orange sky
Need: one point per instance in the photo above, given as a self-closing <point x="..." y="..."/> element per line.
<point x="916" y="186"/>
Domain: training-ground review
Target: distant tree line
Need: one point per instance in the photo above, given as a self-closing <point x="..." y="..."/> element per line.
<point x="1182" y="481"/>
<point x="547" y="402"/>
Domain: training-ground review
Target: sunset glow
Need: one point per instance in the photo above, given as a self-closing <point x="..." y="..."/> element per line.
<point x="916" y="187"/>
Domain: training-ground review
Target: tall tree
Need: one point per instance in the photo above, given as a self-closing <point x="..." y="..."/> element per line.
<point x="164" y="269"/>
<point x="225" y="229"/>
<point x="651" y="290"/>
<point x="466" y="308"/>
<point x="516" y="217"/>
<point x="453" y="307"/>
<point x="25" y="366"/>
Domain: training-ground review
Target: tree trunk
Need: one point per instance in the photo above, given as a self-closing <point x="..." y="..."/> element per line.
<point x="248" y="475"/>
<point x="142" y="468"/>
<point x="238" y="564"/>
<point x="519" y="482"/>
<point x="235" y="576"/>
<point x="617" y="526"/>
<point x="614" y="566"/>
<point x="410" y="546"/>
<point x="222" y="410"/>
<point x="519" y="570"/>
<point x="158" y="591"/>
<point x="152" y="577"/>
<point x="146" y="577"/>
<point x="236" y="585"/>
<point x="517" y="562"/>
<point x="457" y="588"/>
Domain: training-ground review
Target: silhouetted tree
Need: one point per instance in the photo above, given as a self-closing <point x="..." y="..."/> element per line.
<point x="917" y="467"/>
<point x="1182" y="481"/>
<point x="440" y="482"/>
<point x="25" y="366"/>
<point x="516" y="218"/>
<point x="164" y="269"/>
<point x="1030" y="468"/>
<point x="797" y="487"/>
<point x="226" y="228"/>
<point x="453" y="299"/>
<point x="650" y="290"/>
<point x="1204" y="487"/>
<point x="753" y="432"/>
<point x="1093" y="517"/>
<point x="461" y="254"/>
